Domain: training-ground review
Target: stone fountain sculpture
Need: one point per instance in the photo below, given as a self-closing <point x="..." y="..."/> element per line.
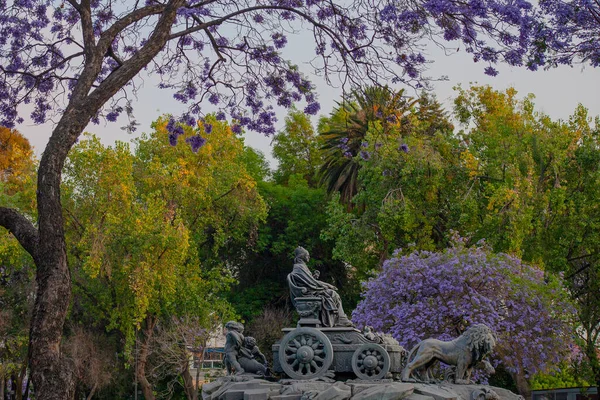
<point x="367" y="365"/>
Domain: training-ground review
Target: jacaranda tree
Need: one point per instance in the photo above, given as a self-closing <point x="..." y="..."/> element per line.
<point x="571" y="34"/>
<point x="72" y="62"/>
<point x="440" y="294"/>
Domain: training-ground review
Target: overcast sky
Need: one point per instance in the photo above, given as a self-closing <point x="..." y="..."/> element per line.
<point x="557" y="91"/>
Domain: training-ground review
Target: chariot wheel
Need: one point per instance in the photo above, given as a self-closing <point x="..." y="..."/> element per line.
<point x="370" y="361"/>
<point x="305" y="353"/>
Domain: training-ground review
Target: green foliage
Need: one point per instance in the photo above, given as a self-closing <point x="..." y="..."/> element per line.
<point x="297" y="149"/>
<point x="566" y="375"/>
<point x="17" y="285"/>
<point x="256" y="164"/>
<point x="296" y="216"/>
<point x="405" y="191"/>
<point x="146" y="228"/>
<point x="366" y="115"/>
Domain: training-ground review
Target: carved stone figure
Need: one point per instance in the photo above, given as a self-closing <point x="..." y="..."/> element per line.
<point x="378" y="337"/>
<point x="251" y="358"/>
<point x="304" y="284"/>
<point x="234" y="340"/>
<point x="464" y="352"/>
<point x="242" y="355"/>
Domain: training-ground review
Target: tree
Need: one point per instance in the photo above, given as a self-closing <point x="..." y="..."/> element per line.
<point x="17" y="188"/>
<point x="412" y="166"/>
<point x="145" y="230"/>
<point x="440" y="294"/>
<point x="534" y="184"/>
<point x="344" y="134"/>
<point x="297" y="149"/>
<point x="70" y="59"/>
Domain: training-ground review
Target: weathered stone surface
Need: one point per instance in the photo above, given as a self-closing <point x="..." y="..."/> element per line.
<point x="233" y="395"/>
<point x="296" y="396"/>
<point x="305" y="386"/>
<point x="358" y="385"/>
<point x="416" y="396"/>
<point x="437" y="392"/>
<point x="239" y="388"/>
<point x="466" y="392"/>
<point x="338" y="391"/>
<point x="211" y="387"/>
<point x="220" y="389"/>
<point x="389" y="391"/>
<point x="256" y="394"/>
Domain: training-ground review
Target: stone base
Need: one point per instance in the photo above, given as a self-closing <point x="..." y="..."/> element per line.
<point x="249" y="388"/>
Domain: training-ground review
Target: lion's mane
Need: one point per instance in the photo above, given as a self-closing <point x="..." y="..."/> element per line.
<point x="480" y="341"/>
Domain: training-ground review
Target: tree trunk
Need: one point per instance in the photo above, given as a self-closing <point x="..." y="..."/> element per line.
<point x="522" y="385"/>
<point x="2" y="382"/>
<point x="19" y="380"/>
<point x="142" y="359"/>
<point x="51" y="372"/>
<point x="92" y="392"/>
<point x="191" y="391"/>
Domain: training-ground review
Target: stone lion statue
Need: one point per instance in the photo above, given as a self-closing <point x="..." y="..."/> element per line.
<point x="463" y="353"/>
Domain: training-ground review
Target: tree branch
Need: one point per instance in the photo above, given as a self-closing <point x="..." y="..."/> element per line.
<point x="119" y="77"/>
<point x="111" y="33"/>
<point x="21" y="228"/>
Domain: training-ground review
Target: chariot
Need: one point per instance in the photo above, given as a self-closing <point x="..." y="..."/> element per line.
<point x="310" y="350"/>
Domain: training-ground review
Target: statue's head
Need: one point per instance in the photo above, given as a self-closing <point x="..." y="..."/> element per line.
<point x="301" y="254"/>
<point x="249" y="342"/>
<point x="234" y="326"/>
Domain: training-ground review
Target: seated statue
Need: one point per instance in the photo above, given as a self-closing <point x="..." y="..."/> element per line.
<point x="241" y="353"/>
<point x="305" y="284"/>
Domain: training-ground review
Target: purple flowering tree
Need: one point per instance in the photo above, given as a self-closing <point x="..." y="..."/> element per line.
<point x="73" y="62"/>
<point x="440" y="294"/>
<point x="571" y="34"/>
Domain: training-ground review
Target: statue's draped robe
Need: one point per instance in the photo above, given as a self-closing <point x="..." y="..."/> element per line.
<point x="302" y="284"/>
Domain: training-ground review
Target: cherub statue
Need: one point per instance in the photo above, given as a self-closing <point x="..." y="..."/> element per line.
<point x="251" y="358"/>
<point x="242" y="355"/>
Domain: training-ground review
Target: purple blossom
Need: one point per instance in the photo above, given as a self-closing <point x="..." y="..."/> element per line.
<point x="195" y="142"/>
<point x="208" y="127"/>
<point x="279" y="40"/>
<point x="529" y="315"/>
<point x="213" y="98"/>
<point x="404" y="148"/>
<point x="365" y="155"/>
<point x="312" y="108"/>
<point x="490" y="71"/>
<point x="173" y="139"/>
<point x="237" y="129"/>
<point x="222" y="41"/>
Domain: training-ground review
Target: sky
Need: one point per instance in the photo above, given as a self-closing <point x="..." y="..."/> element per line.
<point x="558" y="91"/>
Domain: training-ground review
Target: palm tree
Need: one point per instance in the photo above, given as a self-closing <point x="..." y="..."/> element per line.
<point x="345" y="130"/>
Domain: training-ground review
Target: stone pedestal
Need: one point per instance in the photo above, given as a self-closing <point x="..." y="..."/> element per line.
<point x="309" y="310"/>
